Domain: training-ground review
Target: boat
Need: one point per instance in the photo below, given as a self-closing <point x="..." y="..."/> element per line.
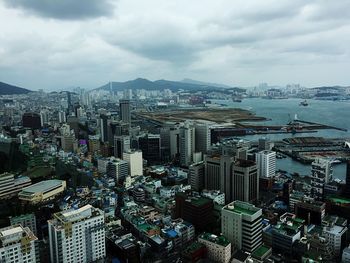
<point x="236" y="99"/>
<point x="303" y="103"/>
<point x="336" y="161"/>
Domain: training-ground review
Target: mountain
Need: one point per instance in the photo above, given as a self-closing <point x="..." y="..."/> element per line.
<point x="192" y="81"/>
<point x="162" y="84"/>
<point x="339" y="88"/>
<point x="7" y="89"/>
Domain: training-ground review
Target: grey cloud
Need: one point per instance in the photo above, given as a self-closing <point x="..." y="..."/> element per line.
<point x="64" y="9"/>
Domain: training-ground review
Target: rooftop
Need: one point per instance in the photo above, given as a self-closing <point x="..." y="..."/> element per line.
<point x="242" y="208"/>
<point x="11" y="231"/>
<point x="193" y="247"/>
<point x="74" y="215"/>
<point x="261" y="251"/>
<point x="339" y="200"/>
<point x="43" y="186"/>
<point x="220" y="240"/>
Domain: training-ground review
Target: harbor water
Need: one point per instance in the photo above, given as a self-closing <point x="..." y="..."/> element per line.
<point x="281" y="111"/>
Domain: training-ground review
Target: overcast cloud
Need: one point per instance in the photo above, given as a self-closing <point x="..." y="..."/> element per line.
<point x="58" y="44"/>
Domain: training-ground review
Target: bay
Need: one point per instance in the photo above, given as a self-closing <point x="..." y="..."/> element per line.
<point x="281" y="111"/>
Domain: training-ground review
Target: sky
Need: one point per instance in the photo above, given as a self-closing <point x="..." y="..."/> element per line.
<point x="50" y="44"/>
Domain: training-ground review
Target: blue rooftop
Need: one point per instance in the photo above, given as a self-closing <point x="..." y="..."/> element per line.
<point x="171" y="233"/>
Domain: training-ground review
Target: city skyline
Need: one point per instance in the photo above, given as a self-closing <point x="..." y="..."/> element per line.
<point x="60" y="45"/>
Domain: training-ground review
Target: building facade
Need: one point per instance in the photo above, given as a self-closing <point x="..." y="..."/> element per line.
<point x="77" y="235"/>
<point x="241" y="223"/>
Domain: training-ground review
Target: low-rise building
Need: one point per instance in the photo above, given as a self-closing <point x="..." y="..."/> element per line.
<point x="215" y="195"/>
<point x="42" y="191"/>
<point x="219" y="248"/>
<point x="11" y="186"/>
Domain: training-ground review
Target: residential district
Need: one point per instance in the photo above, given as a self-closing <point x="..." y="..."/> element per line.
<point x="93" y="177"/>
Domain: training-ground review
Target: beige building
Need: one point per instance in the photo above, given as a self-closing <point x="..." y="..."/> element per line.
<point x="219" y="248"/>
<point x="42" y="191"/>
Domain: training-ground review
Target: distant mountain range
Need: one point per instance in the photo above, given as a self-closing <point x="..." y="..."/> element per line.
<point x="189" y="85"/>
<point x="331" y="87"/>
<point x="7" y="89"/>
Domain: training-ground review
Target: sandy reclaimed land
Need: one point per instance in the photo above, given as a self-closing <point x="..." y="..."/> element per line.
<point x="214" y="115"/>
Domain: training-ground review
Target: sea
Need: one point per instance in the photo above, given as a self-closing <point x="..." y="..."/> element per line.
<point x="281" y="111"/>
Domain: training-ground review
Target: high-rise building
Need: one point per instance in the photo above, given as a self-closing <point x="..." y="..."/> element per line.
<point x="117" y="128"/>
<point x="312" y="212"/>
<point x="125" y="111"/>
<point x="241" y="223"/>
<point x="150" y="145"/>
<point x="266" y="163"/>
<point x="121" y="144"/>
<point x="227" y="177"/>
<point x="77" y="235"/>
<point x="69" y="101"/>
<point x="174" y="141"/>
<point x="187" y="144"/>
<point x="117" y="169"/>
<point x="135" y="161"/>
<point x="18" y="244"/>
<point x="212" y="172"/>
<point x="347" y="180"/>
<point x="44" y="117"/>
<point x="265" y="144"/>
<point x="31" y="120"/>
<point x="94" y="143"/>
<point x="219" y="248"/>
<point x="334" y="229"/>
<point x="203" y="139"/>
<point x="62" y="117"/>
<point x="321" y="173"/>
<point x="194" y="209"/>
<point x="26" y="220"/>
<point x="346" y="255"/>
<point x="245" y="181"/>
<point x="68" y="142"/>
<point x="196" y="176"/>
<point x="104" y="127"/>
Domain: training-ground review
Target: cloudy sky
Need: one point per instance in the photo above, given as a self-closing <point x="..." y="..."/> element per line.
<point x="54" y="44"/>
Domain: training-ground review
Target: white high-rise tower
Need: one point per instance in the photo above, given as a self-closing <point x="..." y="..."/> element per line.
<point x="77" y="235"/>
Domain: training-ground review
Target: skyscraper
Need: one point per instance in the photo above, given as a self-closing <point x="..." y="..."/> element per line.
<point x="245" y="181"/>
<point x="187" y="144"/>
<point x="241" y="223"/>
<point x="125" y="111"/>
<point x="104" y="127"/>
<point x="77" y="235"/>
<point x="62" y="117"/>
<point x="347" y="186"/>
<point x="266" y="162"/>
<point x="150" y="144"/>
<point x="321" y="173"/>
<point x="203" y="139"/>
<point x="121" y="144"/>
<point x="135" y="161"/>
<point x="196" y="176"/>
<point x="212" y="172"/>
